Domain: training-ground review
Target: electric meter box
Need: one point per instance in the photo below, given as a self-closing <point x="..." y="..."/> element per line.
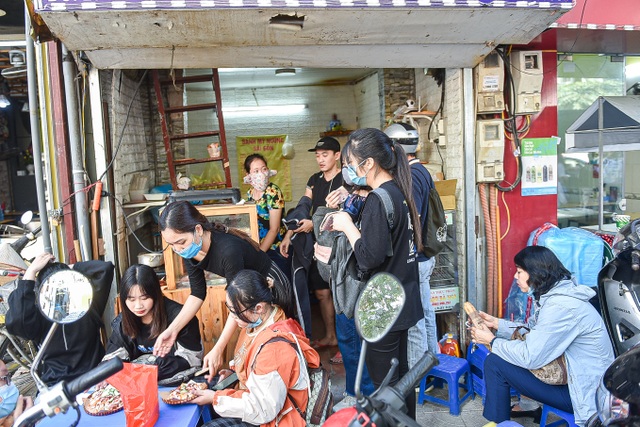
<point x="526" y="69"/>
<point x="490" y="150"/>
<point x="489" y="81"/>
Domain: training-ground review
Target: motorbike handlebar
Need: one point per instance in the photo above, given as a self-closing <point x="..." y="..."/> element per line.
<point x="94" y="376"/>
<point x="418" y="371"/>
<point x="21" y="243"/>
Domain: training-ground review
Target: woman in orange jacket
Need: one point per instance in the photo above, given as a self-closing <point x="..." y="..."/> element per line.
<point x="273" y="380"/>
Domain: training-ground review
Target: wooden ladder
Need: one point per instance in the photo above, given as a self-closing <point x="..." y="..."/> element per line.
<point x="216" y="109"/>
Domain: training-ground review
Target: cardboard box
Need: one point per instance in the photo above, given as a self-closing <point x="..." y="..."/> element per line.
<point x="447" y="191"/>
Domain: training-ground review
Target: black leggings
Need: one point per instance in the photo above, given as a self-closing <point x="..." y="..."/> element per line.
<point x="378" y="360"/>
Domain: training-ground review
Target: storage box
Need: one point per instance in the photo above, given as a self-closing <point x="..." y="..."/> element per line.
<point x="447" y="191"/>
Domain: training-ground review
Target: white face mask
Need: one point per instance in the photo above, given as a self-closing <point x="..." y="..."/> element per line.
<point x="9" y="394"/>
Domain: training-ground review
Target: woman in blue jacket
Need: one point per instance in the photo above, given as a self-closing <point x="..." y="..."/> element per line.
<point x="565" y="323"/>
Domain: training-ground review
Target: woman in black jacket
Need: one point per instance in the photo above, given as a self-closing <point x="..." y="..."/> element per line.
<point x="146" y="312"/>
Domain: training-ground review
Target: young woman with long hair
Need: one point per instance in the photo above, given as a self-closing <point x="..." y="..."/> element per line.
<point x="374" y="160"/>
<point x="145" y="314"/>
<point x="213" y="247"/>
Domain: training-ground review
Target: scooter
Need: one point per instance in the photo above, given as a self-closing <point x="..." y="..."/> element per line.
<point x="618" y="395"/>
<point x="64" y="297"/>
<point x="377" y="309"/>
<point x="12" y="258"/>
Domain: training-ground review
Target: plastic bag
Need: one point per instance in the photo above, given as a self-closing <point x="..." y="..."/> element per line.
<point x="138" y="385"/>
<point x="519" y="305"/>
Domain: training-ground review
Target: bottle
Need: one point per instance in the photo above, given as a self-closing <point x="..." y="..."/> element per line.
<point x="544" y="173"/>
<point x="533" y="174"/>
<point x="550" y="172"/>
<point x="449" y="345"/>
<point x="539" y="175"/>
<point x="528" y="175"/>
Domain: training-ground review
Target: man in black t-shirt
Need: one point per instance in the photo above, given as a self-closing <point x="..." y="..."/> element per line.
<point x="319" y="185"/>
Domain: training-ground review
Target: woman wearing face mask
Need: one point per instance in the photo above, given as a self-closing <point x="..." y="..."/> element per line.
<point x="565" y="323"/>
<point x="269" y="204"/>
<point x="376" y="161"/>
<point x="273" y="385"/>
<point x="212" y="247"/>
<point x="9" y="396"/>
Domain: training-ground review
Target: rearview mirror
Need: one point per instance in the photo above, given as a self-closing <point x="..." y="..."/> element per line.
<point x="379" y="306"/>
<point x="65" y="296"/>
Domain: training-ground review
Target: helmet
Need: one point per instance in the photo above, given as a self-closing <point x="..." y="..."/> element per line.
<point x="405" y="135"/>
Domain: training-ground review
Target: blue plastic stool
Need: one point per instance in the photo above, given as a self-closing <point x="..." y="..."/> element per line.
<point x="567" y="418"/>
<point x="476" y="354"/>
<point x="450" y="369"/>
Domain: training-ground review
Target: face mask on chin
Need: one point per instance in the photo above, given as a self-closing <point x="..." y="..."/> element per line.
<point x="191" y="250"/>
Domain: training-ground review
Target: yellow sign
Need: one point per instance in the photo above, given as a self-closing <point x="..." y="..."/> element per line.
<point x="270" y="147"/>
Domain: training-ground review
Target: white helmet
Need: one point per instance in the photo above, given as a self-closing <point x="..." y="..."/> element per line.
<point x="405" y="135"/>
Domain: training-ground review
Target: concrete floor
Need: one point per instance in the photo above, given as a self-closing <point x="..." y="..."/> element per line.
<point x="428" y="414"/>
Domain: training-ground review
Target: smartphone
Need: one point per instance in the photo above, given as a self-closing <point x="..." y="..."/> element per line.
<point x="226" y="383"/>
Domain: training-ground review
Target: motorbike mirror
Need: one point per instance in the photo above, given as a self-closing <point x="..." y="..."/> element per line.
<point x="622" y="377"/>
<point x="379" y="306"/>
<point x="26" y="217"/>
<point x="65" y="296"/>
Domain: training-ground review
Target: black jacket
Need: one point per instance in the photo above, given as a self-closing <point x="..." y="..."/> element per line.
<point x="186" y="353"/>
<point x="75" y="347"/>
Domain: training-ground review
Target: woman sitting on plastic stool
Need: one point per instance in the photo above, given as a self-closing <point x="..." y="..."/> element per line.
<point x="565" y="323"/>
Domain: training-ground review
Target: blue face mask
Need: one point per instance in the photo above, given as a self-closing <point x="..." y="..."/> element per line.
<point x="255" y="324"/>
<point x="351" y="177"/>
<point x="8" y="399"/>
<point x="191" y="250"/>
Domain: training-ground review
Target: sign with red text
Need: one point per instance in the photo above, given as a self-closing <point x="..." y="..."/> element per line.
<point x="445" y="299"/>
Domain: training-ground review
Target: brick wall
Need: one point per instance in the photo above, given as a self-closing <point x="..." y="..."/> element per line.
<point x="399" y="86"/>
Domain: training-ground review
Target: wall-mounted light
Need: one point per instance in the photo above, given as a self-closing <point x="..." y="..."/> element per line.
<point x="266" y="109"/>
<point x="4" y="101"/>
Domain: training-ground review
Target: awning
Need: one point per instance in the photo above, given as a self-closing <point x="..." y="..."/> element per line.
<point x="620" y="130"/>
<point x="321" y="33"/>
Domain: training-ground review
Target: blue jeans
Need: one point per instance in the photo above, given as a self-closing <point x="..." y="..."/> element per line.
<point x="350" y="345"/>
<point x="423" y="335"/>
<point x="500" y="376"/>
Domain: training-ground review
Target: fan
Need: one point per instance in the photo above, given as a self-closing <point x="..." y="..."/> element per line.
<point x="19" y="65"/>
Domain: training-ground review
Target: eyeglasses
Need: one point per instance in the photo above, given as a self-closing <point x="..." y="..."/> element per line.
<point x="6" y="379"/>
<point x="237" y="314"/>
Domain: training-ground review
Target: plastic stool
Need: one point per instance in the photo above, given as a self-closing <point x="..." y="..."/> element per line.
<point x="476" y="354"/>
<point x="567" y="418"/>
<point x="450" y="369"/>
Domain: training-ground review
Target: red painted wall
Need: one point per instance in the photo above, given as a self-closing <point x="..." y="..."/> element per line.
<point x="528" y="213"/>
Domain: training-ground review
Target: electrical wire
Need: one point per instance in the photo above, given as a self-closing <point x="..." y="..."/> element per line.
<point x="508" y="211"/>
<point x="124" y="126"/>
<point x="438" y="111"/>
<point x="124" y="215"/>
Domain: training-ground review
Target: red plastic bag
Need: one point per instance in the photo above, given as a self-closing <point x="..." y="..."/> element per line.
<point x="138" y="385"/>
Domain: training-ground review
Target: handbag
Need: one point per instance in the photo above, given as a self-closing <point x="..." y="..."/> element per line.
<point x="553" y="373"/>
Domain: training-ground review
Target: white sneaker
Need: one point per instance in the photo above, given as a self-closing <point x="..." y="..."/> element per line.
<point x="347" y="402"/>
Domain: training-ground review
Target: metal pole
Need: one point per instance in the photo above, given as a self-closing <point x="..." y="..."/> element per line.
<point x="69" y="72"/>
<point x="600" y="164"/>
<point x="35" y="134"/>
<point x="475" y="292"/>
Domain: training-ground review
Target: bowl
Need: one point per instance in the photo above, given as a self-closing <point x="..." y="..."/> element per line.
<point x="155" y="196"/>
<point x="153" y="259"/>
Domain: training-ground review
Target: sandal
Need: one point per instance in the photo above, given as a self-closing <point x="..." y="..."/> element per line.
<point x="336" y="359"/>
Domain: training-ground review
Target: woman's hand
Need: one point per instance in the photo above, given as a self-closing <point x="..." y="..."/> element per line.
<point x="284" y="245"/>
<point x="164" y="343"/>
<point x="38" y="264"/>
<point x="305" y="226"/>
<point x="489" y="320"/>
<point x="224" y="373"/>
<point x="213" y="361"/>
<point x="342" y="221"/>
<point x="205" y="397"/>
<point x="481" y="335"/>
<point x="336" y="197"/>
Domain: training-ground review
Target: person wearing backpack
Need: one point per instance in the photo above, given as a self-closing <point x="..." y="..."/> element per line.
<point x="424" y="335"/>
<point x="274" y="384"/>
<point x="376" y="161"/>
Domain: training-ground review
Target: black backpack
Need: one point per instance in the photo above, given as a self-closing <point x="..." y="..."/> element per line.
<point x="434" y="231"/>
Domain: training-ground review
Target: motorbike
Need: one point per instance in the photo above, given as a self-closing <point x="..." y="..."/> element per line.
<point x="618" y="395"/>
<point x="377" y="309"/>
<point x="64" y="297"/>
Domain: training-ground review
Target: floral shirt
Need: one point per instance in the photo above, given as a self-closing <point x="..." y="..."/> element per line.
<point x="272" y="198"/>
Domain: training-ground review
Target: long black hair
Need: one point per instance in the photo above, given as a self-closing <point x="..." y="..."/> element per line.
<point x="146" y="278"/>
<point x="250" y="158"/>
<point x="249" y="288"/>
<point x="388" y="155"/>
<point x="183" y="217"/>
<point x="544" y="268"/>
